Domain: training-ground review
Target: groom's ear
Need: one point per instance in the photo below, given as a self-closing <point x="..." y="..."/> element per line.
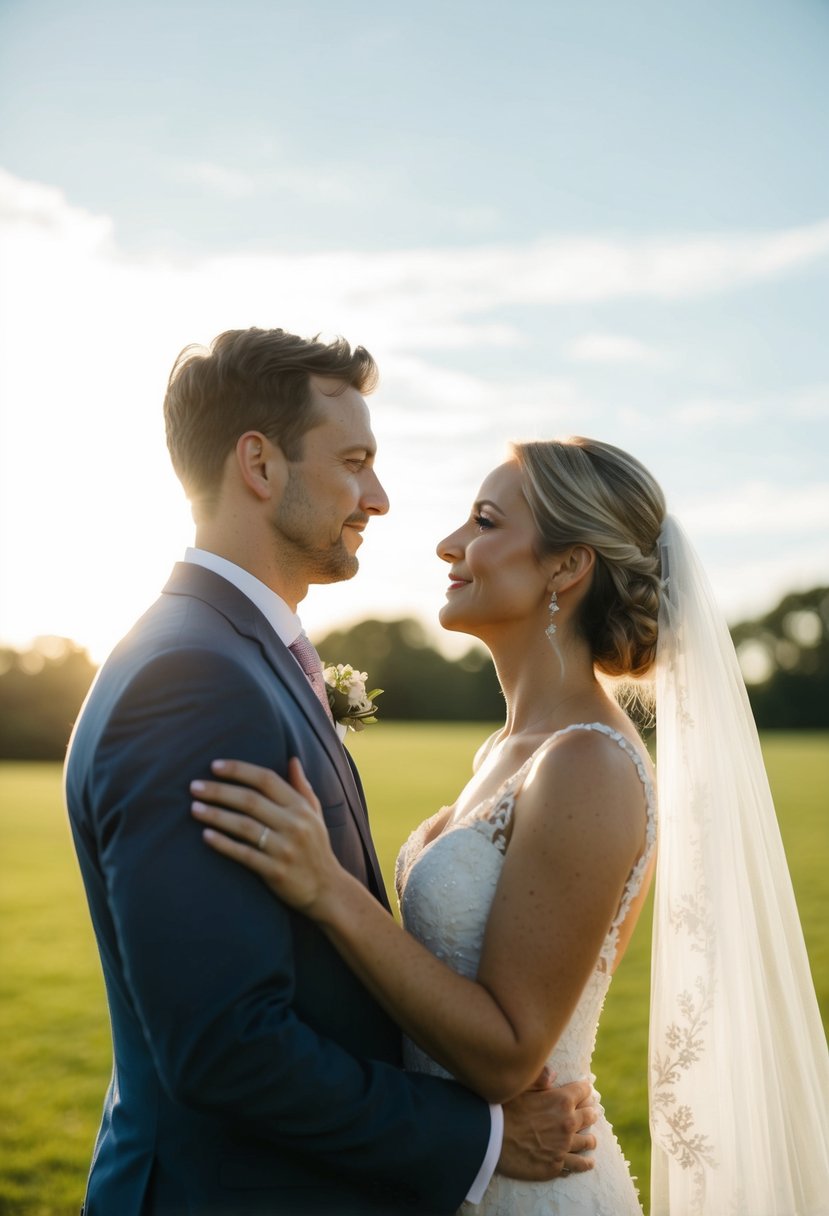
<point x="262" y="465"/>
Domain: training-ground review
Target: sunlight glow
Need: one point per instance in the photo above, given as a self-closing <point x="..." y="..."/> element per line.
<point x="92" y="518"/>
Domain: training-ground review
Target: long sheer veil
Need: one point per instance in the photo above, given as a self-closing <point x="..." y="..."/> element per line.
<point x="739" y="1069"/>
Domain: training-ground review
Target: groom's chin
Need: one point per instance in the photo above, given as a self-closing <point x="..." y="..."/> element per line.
<point x="340" y="572"/>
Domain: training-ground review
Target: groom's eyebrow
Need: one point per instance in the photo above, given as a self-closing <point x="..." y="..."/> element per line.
<point x="487" y="502"/>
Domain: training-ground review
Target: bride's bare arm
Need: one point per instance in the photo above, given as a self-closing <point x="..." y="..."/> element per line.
<point x="578" y="832"/>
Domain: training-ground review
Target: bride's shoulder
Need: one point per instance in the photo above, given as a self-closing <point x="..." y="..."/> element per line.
<point x="592" y="742"/>
<point x="484" y="750"/>
<point x="588" y="763"/>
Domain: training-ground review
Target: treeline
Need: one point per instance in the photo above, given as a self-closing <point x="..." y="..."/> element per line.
<point x="420" y="683"/>
<point x="41" y="691"/>
<point x="785" y="656"/>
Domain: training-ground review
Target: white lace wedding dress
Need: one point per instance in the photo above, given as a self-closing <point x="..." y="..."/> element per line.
<point x="445" y="889"/>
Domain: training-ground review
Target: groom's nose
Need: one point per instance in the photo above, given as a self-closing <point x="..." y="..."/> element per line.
<point x="374" y="499"/>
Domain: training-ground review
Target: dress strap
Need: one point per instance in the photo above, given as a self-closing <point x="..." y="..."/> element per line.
<point x="496" y="814"/>
<point x="633" y="884"/>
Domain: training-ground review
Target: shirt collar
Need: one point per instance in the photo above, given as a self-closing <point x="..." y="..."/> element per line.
<point x="285" y="623"/>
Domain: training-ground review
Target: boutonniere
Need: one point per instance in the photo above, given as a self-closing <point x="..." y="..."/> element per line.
<point x="350" y="704"/>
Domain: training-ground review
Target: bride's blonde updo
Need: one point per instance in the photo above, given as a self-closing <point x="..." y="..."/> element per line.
<point x="581" y="491"/>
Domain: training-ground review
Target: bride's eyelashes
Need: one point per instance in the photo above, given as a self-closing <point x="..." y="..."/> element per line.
<point x="483" y="521"/>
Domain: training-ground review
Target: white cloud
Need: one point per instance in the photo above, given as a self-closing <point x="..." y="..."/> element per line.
<point x="33" y="213"/>
<point x="90" y="515"/>
<point x="762" y="509"/>
<point x="330" y="186"/>
<point x="808" y="404"/>
<point x="230" y="183"/>
<point x="478" y="220"/>
<point x="613" y="348"/>
<point x="441" y="283"/>
<point x="333" y="184"/>
<point x="635" y="419"/>
<point x="710" y="411"/>
<point x="560" y="271"/>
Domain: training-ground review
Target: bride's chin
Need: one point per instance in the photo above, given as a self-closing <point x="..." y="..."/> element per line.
<point x="452" y="622"/>
<point x="448" y="619"/>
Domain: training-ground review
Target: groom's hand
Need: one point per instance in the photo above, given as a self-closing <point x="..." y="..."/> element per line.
<point x="545" y="1129"/>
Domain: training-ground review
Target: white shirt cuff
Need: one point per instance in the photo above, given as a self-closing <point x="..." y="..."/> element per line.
<point x="496" y="1139"/>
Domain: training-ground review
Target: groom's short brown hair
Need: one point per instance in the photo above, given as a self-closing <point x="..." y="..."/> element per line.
<point x="249" y="380"/>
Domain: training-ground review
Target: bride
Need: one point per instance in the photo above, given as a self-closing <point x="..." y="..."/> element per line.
<point x="519" y="899"/>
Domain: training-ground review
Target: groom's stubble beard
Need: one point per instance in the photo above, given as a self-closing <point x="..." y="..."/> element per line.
<point x="293" y="528"/>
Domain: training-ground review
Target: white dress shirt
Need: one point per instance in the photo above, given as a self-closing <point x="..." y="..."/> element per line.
<point x="287" y="627"/>
<point x="285" y="623"/>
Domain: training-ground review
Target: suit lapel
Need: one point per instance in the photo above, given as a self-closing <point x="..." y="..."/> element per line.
<point x="290" y="673"/>
<point x="190" y="579"/>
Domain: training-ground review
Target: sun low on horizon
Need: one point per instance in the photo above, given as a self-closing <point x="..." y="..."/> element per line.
<point x="555" y="221"/>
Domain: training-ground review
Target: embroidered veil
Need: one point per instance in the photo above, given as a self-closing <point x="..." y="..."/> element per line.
<point x="739" y="1069"/>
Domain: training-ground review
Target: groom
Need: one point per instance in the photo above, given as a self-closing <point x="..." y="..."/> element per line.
<point x="252" y="1072"/>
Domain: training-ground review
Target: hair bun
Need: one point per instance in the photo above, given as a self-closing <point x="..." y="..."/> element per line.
<point x="624" y="637"/>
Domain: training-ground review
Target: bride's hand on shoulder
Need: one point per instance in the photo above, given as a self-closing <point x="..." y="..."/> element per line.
<point x="273" y="827"/>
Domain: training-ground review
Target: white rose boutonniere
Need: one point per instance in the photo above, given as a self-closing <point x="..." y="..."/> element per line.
<point x="350" y="704"/>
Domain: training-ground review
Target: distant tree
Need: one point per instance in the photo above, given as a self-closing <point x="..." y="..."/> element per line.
<point x="420" y="682"/>
<point x="41" y="691"/>
<point x="784" y="656"/>
<point x="785" y="659"/>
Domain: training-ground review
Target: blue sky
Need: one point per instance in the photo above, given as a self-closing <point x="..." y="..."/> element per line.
<point x="542" y="219"/>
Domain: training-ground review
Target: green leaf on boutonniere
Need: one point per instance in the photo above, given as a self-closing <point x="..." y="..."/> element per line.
<point x="351" y="705"/>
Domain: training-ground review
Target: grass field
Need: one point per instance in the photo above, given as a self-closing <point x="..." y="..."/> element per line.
<point x="55" y="1059"/>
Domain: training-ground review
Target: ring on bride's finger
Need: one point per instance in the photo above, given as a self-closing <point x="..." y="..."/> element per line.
<point x="564" y="1172"/>
<point x="260" y="844"/>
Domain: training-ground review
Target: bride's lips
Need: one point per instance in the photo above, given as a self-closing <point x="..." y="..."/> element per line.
<point x="456" y="583"/>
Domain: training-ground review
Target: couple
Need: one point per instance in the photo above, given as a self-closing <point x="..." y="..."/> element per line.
<point x="258" y="1064"/>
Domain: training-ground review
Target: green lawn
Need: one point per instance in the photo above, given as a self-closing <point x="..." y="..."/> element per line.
<point x="54" y="1063"/>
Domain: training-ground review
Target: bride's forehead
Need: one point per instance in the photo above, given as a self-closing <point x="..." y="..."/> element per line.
<point x="503" y="482"/>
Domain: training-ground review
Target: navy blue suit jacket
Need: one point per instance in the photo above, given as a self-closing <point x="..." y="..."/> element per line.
<point x="252" y="1072"/>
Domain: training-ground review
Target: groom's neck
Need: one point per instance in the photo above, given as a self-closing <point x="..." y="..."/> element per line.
<point x="247" y="550"/>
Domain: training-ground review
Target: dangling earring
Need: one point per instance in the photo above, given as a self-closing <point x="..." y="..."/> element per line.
<point x="554" y="608"/>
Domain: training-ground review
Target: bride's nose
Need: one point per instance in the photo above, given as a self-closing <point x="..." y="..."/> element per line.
<point x="450" y="547"/>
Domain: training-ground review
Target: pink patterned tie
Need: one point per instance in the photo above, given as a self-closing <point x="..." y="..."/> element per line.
<point x="309" y="661"/>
